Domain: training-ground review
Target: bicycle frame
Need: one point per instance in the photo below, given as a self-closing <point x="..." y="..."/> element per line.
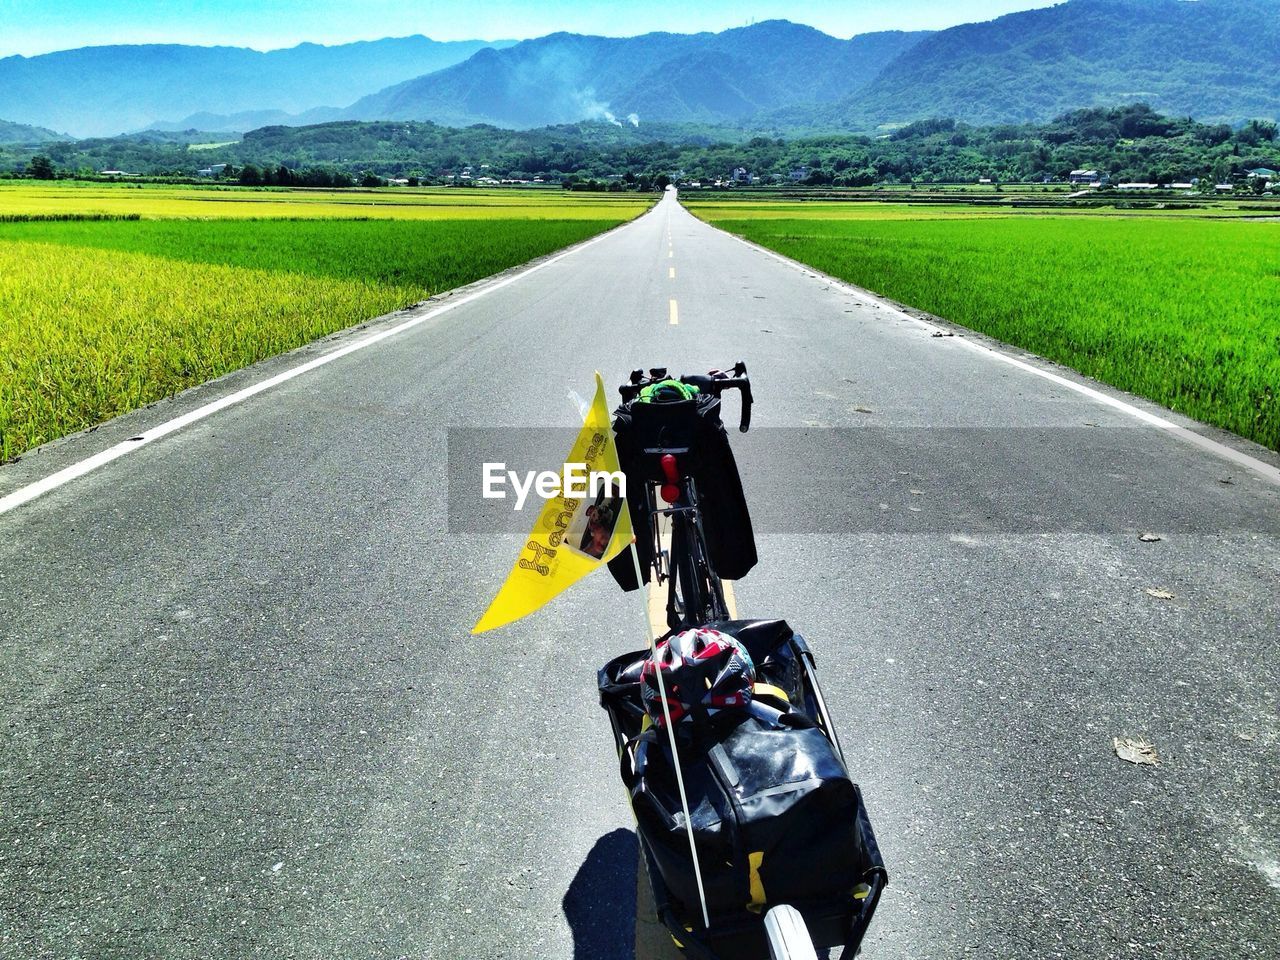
<point x="695" y="594"/>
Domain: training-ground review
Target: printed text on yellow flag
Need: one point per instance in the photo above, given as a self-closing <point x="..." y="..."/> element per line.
<point x="573" y="535"/>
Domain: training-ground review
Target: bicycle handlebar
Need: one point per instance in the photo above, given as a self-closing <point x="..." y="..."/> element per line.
<point x="715" y="382"/>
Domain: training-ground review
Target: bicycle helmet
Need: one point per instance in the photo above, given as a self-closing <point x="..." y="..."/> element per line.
<point x="703" y="671"/>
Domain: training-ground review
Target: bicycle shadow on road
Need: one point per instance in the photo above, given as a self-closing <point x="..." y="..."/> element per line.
<point x="600" y="904"/>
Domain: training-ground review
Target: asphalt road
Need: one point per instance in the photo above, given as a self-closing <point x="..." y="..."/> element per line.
<point x="243" y="717"/>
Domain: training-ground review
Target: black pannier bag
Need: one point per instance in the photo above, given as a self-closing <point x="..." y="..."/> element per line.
<point x="693" y="426"/>
<point x="776" y="817"/>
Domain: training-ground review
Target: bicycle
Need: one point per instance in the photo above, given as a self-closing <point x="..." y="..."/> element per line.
<point x="665" y="461"/>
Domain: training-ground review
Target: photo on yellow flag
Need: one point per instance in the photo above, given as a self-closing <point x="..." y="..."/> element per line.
<point x="573" y="535"/>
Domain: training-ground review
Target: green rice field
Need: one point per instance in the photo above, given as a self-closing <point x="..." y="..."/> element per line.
<point x="112" y="297"/>
<point x="1182" y="310"/>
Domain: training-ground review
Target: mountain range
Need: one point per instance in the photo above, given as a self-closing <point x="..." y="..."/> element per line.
<point x="1214" y="59"/>
<point x="700" y="78"/>
<point x="100" y="91"/>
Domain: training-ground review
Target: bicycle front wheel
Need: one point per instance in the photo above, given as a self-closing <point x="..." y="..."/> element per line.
<point x="788" y="935"/>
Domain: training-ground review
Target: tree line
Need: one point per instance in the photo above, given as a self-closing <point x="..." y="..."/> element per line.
<point x="1128" y="143"/>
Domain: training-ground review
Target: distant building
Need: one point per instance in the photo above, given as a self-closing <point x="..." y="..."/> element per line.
<point x="1084" y="176"/>
<point x="1261" y="173"/>
<point x="740" y="175"/>
<point x="984" y="179"/>
<point x="799" y="173"/>
<point x="1138" y="186"/>
<point x="212" y="171"/>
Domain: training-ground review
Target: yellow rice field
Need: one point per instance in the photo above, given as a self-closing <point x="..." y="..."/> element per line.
<point x="27" y="198"/>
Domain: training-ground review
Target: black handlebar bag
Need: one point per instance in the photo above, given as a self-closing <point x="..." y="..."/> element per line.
<point x="693" y="431"/>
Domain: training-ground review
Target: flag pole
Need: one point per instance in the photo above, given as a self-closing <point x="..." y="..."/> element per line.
<point x="671" y="733"/>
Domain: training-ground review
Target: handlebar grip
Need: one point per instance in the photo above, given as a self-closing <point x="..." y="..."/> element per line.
<point x="743" y="386"/>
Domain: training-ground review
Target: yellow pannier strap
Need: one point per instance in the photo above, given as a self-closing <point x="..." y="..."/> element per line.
<point x="769" y="690"/>
<point x="754" y="859"/>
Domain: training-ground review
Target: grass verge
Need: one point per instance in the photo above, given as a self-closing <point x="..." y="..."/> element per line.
<point x="1183" y="312"/>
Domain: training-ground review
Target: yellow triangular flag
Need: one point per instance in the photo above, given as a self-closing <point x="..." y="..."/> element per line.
<point x="573" y="535"/>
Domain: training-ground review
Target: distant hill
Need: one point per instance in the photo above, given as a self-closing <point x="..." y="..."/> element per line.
<point x="1131" y="143"/>
<point x="1214" y="59"/>
<point x="23" y="133"/>
<point x="686" y="78"/>
<point x="96" y="91"/>
<point x="247" y="120"/>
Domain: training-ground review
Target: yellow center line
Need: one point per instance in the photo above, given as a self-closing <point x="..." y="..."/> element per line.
<point x="675" y="314"/>
<point x="730" y="601"/>
<point x="670" y="253"/>
<point x="671" y="273"/>
<point x="657" y="610"/>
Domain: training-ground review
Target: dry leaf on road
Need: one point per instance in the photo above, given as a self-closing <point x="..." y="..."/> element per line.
<point x="1149" y="537"/>
<point x="1159" y="594"/>
<point x="1135" y="751"/>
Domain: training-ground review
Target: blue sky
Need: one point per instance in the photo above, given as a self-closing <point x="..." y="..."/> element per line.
<point x="38" y="26"/>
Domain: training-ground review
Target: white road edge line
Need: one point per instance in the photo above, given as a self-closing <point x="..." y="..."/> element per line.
<point x="31" y="491"/>
<point x="1265" y="470"/>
